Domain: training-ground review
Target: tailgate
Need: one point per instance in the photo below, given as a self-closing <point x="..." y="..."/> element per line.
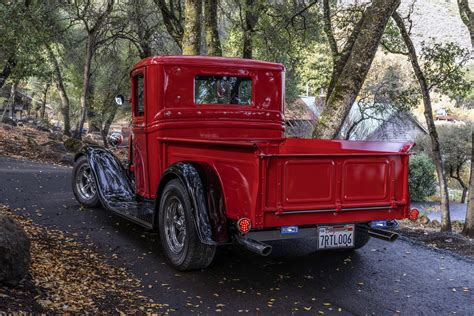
<point x="349" y="181"/>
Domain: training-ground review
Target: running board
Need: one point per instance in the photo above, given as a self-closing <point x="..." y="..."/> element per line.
<point x="116" y="190"/>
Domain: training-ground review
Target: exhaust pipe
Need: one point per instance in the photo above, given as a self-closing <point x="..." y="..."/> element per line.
<point x="383" y="234"/>
<point x="254" y="245"/>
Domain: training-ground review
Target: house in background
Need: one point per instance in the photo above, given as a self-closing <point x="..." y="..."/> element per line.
<point x="22" y="104"/>
<point x="301" y="115"/>
<point x="376" y="123"/>
<point x="381" y="122"/>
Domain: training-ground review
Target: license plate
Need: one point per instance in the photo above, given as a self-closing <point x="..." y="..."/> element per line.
<point x="338" y="236"/>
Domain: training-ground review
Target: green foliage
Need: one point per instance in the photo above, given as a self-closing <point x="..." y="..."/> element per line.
<point x="421" y="178"/>
<point x="456" y="146"/>
<point x="25" y="28"/>
<point x="297" y="41"/>
<point x="443" y="68"/>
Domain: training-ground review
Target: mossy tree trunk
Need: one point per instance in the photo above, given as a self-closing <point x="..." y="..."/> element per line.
<point x="192" y="27"/>
<point x="211" y="29"/>
<point x="352" y="64"/>
<point x="252" y="10"/>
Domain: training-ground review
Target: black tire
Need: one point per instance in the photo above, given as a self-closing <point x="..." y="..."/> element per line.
<point x="186" y="252"/>
<point x="83" y="185"/>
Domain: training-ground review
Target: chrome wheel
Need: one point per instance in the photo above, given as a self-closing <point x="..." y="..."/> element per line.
<point x="175" y="225"/>
<point x="85" y="183"/>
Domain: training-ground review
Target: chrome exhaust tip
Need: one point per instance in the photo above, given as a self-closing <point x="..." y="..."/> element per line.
<point x="254" y="245"/>
<point x="383" y="234"/>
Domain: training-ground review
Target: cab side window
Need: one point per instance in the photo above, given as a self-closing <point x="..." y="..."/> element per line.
<point x="139" y="97"/>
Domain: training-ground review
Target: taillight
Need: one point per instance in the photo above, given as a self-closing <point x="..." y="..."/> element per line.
<point x="413" y="216"/>
<point x="244" y="225"/>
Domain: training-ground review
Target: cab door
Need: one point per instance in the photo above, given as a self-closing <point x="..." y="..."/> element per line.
<point x="139" y="139"/>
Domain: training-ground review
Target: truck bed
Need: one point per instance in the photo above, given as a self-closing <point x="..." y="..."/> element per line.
<point x="304" y="181"/>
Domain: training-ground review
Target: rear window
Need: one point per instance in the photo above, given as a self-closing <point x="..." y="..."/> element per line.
<point x="222" y="90"/>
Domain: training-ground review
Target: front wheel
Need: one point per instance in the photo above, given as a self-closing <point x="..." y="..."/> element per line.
<point x="83" y="184"/>
<point x="181" y="245"/>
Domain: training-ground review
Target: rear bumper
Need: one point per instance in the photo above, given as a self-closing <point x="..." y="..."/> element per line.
<point x="303" y="232"/>
<point x="274" y="219"/>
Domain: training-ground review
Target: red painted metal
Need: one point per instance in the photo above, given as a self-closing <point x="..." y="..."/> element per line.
<point x="265" y="177"/>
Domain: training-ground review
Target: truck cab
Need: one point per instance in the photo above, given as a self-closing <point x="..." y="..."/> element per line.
<point x="210" y="165"/>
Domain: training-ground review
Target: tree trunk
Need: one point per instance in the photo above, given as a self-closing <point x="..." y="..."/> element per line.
<point x="467" y="16"/>
<point x="85" y="85"/>
<point x="92" y="123"/>
<point x="171" y="22"/>
<point x="468" y="229"/>
<point x="43" y="100"/>
<point x="354" y="65"/>
<point x="108" y="122"/>
<point x="7" y="70"/>
<point x="10" y="102"/>
<point x="11" y="99"/>
<point x="252" y="11"/>
<point x="464" y="195"/>
<point x="462" y="184"/>
<point x="192" y="27"/>
<point x="58" y="78"/>
<point x="213" y="42"/>
<point x="428" y="113"/>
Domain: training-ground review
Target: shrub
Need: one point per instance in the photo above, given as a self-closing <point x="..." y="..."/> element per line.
<point x="421" y="178"/>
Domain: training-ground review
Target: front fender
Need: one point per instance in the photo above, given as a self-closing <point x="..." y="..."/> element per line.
<point x="112" y="182"/>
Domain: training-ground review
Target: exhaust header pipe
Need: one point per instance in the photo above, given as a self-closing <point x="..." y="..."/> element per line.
<point x="383" y="234"/>
<point x="254" y="245"/>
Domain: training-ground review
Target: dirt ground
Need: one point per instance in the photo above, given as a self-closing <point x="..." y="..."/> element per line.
<point x="28" y="143"/>
<point x="454" y="242"/>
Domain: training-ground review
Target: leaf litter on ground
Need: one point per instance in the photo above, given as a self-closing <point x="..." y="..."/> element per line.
<point x="67" y="276"/>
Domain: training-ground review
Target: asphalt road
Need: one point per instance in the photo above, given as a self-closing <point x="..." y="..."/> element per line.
<point x="382" y="278"/>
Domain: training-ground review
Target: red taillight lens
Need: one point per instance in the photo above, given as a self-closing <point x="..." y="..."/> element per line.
<point x="244" y="225"/>
<point x="413" y="216"/>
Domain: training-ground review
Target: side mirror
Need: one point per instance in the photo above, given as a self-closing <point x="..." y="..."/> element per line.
<point x="115" y="139"/>
<point x="119" y="99"/>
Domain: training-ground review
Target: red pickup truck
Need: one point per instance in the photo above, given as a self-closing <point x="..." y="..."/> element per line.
<point x="209" y="165"/>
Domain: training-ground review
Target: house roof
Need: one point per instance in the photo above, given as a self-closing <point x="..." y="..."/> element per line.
<point x="304" y="108"/>
<point x="377" y="120"/>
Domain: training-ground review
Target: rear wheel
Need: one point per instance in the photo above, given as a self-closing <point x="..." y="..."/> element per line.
<point x="181" y="245"/>
<point x="83" y="184"/>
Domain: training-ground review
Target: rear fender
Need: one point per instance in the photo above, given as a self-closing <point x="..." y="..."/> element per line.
<point x="204" y="191"/>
